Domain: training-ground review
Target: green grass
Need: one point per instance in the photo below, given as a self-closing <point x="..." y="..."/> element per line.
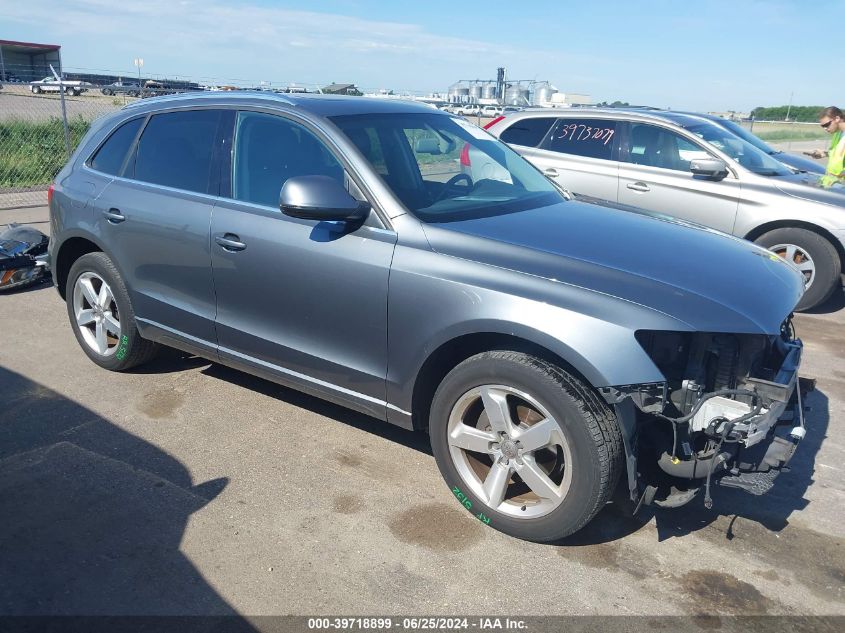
<point x="790" y="135"/>
<point x="32" y="153"/>
<point x="776" y="131"/>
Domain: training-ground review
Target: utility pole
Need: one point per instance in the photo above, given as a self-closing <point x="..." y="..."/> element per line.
<point x="139" y="62"/>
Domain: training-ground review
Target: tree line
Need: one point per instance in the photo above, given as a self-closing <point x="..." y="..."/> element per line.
<point x="805" y="114"/>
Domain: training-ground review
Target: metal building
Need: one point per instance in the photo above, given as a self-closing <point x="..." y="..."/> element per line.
<point x="26" y="61"/>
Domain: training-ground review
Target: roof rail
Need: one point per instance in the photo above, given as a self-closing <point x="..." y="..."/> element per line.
<point x="186" y="96"/>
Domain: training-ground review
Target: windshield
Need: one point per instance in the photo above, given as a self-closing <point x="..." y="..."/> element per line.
<point x="444" y="169"/>
<point x="739" y="149"/>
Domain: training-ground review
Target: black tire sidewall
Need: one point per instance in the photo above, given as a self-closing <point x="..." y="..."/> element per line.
<point x="100" y="263"/>
<point x="823" y="254"/>
<point x="577" y="507"/>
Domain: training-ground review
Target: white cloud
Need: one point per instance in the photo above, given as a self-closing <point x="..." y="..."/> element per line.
<point x="219" y="39"/>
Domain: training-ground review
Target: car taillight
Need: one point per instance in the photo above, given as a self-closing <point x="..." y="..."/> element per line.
<point x="50" y="194"/>
<point x="465" y="155"/>
<point x="493" y="122"/>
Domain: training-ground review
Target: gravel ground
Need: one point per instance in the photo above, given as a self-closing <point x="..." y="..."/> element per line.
<point x="185" y="487"/>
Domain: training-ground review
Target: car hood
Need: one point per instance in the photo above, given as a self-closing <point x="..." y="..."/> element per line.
<point x="711" y="281"/>
<point x="805" y="186"/>
<point x="799" y="162"/>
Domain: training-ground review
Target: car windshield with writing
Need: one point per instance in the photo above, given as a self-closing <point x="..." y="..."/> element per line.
<point x="420" y="157"/>
<point x="739" y="149"/>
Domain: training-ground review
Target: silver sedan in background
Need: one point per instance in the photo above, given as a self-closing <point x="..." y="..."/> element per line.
<point x="687" y="167"/>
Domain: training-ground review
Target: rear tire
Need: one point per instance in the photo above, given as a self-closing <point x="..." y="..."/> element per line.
<point x="809" y="251"/>
<point x="97" y="301"/>
<point x="537" y="494"/>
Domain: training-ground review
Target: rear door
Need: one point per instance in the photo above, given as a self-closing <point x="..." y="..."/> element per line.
<point x="580" y="154"/>
<point x="301" y="299"/>
<point x="654" y="175"/>
<point x="154" y="218"/>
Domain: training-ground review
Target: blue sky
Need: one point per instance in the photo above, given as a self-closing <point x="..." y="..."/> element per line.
<point x="706" y="55"/>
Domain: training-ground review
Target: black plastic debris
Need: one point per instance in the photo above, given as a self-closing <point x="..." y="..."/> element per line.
<point x="23" y="257"/>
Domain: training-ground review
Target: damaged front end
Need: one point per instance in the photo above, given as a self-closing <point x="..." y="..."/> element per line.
<point x="722" y="417"/>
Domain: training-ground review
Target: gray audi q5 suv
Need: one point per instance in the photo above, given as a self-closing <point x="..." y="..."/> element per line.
<point x="333" y="244"/>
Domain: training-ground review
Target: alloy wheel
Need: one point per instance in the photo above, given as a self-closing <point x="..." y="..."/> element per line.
<point x="800" y="258"/>
<point x="96" y="313"/>
<point x="509" y="451"/>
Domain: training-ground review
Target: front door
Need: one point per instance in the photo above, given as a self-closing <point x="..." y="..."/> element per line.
<point x="654" y="175"/>
<point x="297" y="298"/>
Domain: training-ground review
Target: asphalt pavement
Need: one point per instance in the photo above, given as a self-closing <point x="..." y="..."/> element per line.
<point x="184" y="487"/>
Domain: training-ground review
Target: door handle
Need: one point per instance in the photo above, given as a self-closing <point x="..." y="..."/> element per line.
<point x="550" y="172"/>
<point x="638" y="186"/>
<point x="114" y="216"/>
<point x="230" y="242"/>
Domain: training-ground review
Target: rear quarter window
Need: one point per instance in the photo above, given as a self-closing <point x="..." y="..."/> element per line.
<point x="592" y="138"/>
<point x="527" y="132"/>
<point x="176" y="150"/>
<point x="109" y="158"/>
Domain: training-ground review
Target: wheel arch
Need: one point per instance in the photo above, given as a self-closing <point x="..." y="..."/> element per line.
<point x="71" y="249"/>
<point x="758" y="231"/>
<point x="452" y="352"/>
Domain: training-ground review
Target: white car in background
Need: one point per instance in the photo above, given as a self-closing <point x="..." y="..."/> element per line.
<point x="51" y="84"/>
<point x="491" y="111"/>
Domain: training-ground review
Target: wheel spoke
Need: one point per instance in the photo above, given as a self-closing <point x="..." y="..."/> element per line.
<point x="102" y="341"/>
<point x="84" y="317"/>
<point x="88" y="291"/>
<point x="495" y="484"/>
<point x="472" y="439"/>
<point x="807" y="266"/>
<point x="790" y="253"/>
<point x="105" y="296"/>
<point x="496" y="407"/>
<point x="541" y="434"/>
<point x="112" y="324"/>
<point x="536" y="479"/>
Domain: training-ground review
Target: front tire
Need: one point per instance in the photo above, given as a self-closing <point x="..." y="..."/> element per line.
<point x="815" y="256"/>
<point x="525" y="446"/>
<point x="101" y="315"/>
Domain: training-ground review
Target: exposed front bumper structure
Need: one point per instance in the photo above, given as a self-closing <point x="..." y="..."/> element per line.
<point x="729" y="414"/>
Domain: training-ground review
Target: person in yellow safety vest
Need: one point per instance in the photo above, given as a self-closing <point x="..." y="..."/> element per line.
<point x="833" y="122"/>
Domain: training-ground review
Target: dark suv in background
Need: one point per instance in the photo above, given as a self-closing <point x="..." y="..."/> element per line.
<point x="333" y="244"/>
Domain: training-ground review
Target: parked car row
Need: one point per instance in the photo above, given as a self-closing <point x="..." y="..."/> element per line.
<point x="151" y="88"/>
<point x="548" y="346"/>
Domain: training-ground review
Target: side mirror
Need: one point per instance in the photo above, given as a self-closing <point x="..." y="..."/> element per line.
<point x="427" y="145"/>
<point x="320" y="198"/>
<point x="708" y="168"/>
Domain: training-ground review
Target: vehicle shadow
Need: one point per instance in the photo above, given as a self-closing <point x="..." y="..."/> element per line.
<point x="772" y="510"/>
<point x="92" y="516"/>
<point x="615" y="521"/>
<point x="410" y="439"/>
<point x="39" y="285"/>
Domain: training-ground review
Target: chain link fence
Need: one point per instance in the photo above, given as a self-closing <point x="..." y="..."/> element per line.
<point x="790" y="136"/>
<point x="36" y="134"/>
